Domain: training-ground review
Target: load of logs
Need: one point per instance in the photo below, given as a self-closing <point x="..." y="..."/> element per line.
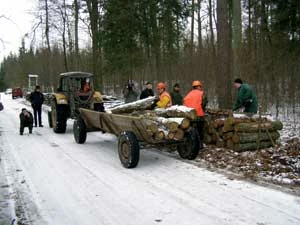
<point x="159" y="124"/>
<point x="240" y="132"/>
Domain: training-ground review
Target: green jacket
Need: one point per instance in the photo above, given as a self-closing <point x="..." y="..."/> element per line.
<point x="177" y="98"/>
<point x="246" y="98"/>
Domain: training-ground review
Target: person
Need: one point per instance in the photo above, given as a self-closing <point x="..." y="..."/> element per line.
<point x="86" y="86"/>
<point x="129" y="93"/>
<point x="164" y="100"/>
<point x="195" y="99"/>
<point x="147" y="92"/>
<point x="176" y="96"/>
<point x="26" y="120"/>
<point x="246" y="98"/>
<point x="37" y="99"/>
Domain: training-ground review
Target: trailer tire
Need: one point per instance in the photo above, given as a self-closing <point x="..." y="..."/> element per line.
<point x="79" y="131"/>
<point x="191" y="146"/>
<point x="50" y="119"/>
<point x="128" y="149"/>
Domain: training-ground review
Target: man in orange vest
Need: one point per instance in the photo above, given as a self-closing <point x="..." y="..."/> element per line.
<point x="165" y="99"/>
<point x="194" y="99"/>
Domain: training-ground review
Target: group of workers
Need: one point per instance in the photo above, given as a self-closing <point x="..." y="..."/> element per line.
<point x="197" y="100"/>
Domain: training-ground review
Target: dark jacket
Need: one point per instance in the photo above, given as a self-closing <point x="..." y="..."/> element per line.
<point x="130" y="95"/>
<point x="36" y="99"/>
<point x="146" y="93"/>
<point x="246" y="98"/>
<point x="177" y="98"/>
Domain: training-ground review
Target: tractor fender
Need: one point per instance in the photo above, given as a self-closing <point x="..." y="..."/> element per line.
<point x="61" y="99"/>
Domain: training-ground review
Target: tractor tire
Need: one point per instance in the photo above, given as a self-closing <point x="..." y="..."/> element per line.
<point x="128" y="149"/>
<point x="50" y="119"/>
<point x="59" y="118"/>
<point x="191" y="146"/>
<point x="79" y="131"/>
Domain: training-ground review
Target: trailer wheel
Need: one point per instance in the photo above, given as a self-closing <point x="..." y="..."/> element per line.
<point x="79" y="131"/>
<point x="50" y="119"/>
<point x="129" y="149"/>
<point x="191" y="146"/>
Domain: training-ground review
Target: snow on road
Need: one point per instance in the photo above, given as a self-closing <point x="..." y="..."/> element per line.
<point x="53" y="180"/>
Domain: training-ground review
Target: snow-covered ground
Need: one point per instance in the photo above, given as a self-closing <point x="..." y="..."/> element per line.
<point x="48" y="179"/>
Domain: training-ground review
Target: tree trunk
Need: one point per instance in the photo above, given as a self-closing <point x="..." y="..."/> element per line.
<point x="200" y="45"/>
<point x="93" y="9"/>
<point x="236" y="36"/>
<point x="223" y="77"/>
<point x="76" y="15"/>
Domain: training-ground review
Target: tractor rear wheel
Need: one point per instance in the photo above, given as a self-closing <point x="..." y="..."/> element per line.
<point x="59" y="118"/>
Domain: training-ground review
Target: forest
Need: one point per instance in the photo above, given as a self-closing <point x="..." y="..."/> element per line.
<point x="214" y="41"/>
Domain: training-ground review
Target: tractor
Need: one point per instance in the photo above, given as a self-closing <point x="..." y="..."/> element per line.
<point x="76" y="90"/>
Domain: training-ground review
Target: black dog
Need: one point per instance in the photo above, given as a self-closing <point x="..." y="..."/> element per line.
<point x="26" y="120"/>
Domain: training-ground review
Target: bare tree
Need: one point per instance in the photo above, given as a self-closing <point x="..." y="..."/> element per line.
<point x="224" y="78"/>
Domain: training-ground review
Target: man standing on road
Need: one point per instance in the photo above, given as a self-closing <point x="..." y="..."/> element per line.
<point x="37" y="100"/>
<point x="246" y="98"/>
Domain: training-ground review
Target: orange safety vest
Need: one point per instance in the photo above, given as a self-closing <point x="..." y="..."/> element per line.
<point x="194" y="100"/>
<point x="162" y="103"/>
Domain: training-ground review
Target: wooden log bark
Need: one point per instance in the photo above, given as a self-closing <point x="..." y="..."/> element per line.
<point x="254" y="137"/>
<point x="177" y="111"/>
<point x="255" y="127"/>
<point x="159" y="135"/>
<point x="252" y="146"/>
<point x="218" y="123"/>
<point x="179" y="134"/>
<point x="132" y="106"/>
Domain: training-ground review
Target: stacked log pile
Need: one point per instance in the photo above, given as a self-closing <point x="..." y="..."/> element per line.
<point x="159" y="124"/>
<point x="240" y="132"/>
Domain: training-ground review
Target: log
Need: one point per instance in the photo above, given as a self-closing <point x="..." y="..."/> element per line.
<point x="228" y="125"/>
<point x="252" y="146"/>
<point x="218" y="123"/>
<point x="132" y="106"/>
<point x="171" y="135"/>
<point x="169" y="124"/>
<point x="179" y="134"/>
<point x="228" y="136"/>
<point x="151" y="125"/>
<point x="177" y="111"/>
<point x="159" y="135"/>
<point x="255" y="127"/>
<point x="254" y="137"/>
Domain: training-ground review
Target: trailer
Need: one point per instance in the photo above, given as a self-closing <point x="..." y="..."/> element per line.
<point x="132" y="135"/>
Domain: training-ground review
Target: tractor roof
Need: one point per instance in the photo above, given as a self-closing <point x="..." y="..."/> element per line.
<point x="76" y="74"/>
